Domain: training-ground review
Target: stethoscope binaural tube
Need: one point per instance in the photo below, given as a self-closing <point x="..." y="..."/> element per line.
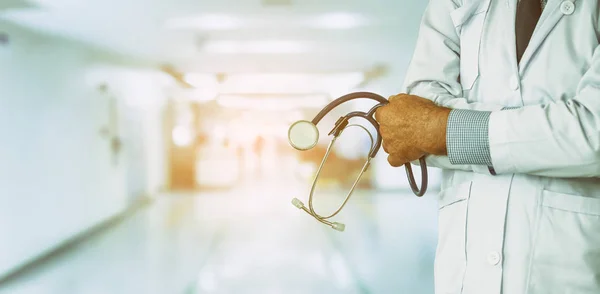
<point x="304" y="135"/>
<point x="356" y="95"/>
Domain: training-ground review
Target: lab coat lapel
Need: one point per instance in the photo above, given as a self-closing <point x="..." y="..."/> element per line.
<point x="548" y="20"/>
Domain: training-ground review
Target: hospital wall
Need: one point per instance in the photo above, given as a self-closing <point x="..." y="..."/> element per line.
<point x="58" y="174"/>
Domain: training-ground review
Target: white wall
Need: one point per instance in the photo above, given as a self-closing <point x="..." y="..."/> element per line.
<point x="144" y="94"/>
<point x="56" y="172"/>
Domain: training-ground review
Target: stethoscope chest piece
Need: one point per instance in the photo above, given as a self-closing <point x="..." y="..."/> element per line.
<point x="303" y="135"/>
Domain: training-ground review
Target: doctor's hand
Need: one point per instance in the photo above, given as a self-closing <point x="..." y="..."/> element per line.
<point x="412" y="127"/>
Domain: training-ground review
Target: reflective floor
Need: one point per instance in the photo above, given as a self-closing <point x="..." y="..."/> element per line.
<point x="252" y="240"/>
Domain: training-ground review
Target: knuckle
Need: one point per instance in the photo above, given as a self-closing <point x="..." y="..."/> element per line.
<point x="384" y="131"/>
<point x="396" y="98"/>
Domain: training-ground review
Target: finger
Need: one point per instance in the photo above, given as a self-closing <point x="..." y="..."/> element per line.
<point x="384" y="132"/>
<point x="392" y="146"/>
<point x="380" y="113"/>
<point x="396" y="161"/>
<point x="386" y="146"/>
<point x="387" y="142"/>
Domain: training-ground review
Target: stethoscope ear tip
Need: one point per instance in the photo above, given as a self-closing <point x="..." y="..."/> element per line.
<point x="338" y="226"/>
<point x="297" y="203"/>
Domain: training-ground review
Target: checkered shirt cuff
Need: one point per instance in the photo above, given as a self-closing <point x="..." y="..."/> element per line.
<point x="467" y="137"/>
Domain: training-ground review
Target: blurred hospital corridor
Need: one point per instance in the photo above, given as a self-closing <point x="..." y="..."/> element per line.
<point x="145" y="149"/>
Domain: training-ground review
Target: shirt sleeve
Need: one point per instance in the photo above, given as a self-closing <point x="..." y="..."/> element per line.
<point x="467" y="137"/>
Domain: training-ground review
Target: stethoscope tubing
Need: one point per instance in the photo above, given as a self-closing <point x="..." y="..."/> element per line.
<point x="339" y="127"/>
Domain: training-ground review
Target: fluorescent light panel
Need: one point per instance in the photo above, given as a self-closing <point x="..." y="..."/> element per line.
<point x="206" y="22"/>
<point x="338" y="20"/>
<point x="333" y="20"/>
<point x="256" y="47"/>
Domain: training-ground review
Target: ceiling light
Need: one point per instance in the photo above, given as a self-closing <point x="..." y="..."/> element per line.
<point x="256" y="47"/>
<point x="204" y="94"/>
<point x="182" y="136"/>
<point x="338" y="20"/>
<point x="205" y="22"/>
<point x="206" y="86"/>
<point x="199" y="80"/>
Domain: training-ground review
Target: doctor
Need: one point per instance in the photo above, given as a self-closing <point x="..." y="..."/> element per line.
<point x="504" y="97"/>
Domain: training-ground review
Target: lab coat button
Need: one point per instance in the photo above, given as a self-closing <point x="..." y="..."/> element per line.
<point x="514" y="83"/>
<point x="494" y="258"/>
<point x="567" y="7"/>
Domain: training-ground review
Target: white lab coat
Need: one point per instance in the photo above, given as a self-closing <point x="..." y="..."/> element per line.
<point x="535" y="227"/>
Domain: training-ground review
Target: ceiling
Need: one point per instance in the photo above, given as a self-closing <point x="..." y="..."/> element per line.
<point x="155" y="30"/>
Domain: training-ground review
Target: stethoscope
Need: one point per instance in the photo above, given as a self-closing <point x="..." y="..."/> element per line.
<point x="303" y="135"/>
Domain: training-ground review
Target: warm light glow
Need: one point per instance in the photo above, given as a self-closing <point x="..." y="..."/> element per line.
<point x="292" y="117"/>
<point x="256" y="47"/>
<point x="182" y="136"/>
<point x="206" y="87"/>
<point x="200" y="80"/>
<point x="274" y="103"/>
<point x="332" y="83"/>
<point x="338" y="20"/>
<point x="205" y="22"/>
<point x="342" y="84"/>
<point x="204" y="94"/>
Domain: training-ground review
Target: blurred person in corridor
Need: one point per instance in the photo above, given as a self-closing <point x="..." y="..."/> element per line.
<point x="503" y="96"/>
<point x="259" y="149"/>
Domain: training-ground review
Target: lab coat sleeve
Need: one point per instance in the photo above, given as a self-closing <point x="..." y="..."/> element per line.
<point x="435" y="68"/>
<point x="560" y="139"/>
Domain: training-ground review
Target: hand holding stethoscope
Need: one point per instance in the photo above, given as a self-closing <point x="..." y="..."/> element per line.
<point x="304" y="135"/>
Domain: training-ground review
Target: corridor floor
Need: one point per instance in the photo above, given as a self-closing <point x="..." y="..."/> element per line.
<point x="251" y="239"/>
